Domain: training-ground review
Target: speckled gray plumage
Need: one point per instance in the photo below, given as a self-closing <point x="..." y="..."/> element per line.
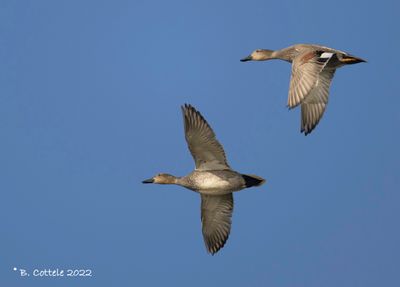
<point x="213" y="179"/>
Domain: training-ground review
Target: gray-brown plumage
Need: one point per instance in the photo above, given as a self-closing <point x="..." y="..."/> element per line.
<point x="212" y="178"/>
<point x="313" y="67"/>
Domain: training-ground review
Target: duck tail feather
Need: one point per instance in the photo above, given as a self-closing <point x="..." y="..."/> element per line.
<point x="348" y="59"/>
<point x="252" y="180"/>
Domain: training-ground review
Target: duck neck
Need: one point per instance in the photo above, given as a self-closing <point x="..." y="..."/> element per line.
<point x="168" y="179"/>
<point x="286" y="54"/>
<point x="271" y="55"/>
<point x="181" y="181"/>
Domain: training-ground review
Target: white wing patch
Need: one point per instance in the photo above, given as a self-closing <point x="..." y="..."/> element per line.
<point x="326" y="55"/>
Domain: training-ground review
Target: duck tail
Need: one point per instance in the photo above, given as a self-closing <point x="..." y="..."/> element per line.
<point x="348" y="59"/>
<point x="252" y="180"/>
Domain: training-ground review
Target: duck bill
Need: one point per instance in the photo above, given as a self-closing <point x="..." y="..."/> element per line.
<point x="248" y="58"/>
<point x="150" y="180"/>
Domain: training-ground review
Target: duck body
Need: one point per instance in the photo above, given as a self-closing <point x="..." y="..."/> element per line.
<point x="216" y="182"/>
<point x="212" y="178"/>
<point x="289" y="54"/>
<point x="313" y="68"/>
<point x="213" y="182"/>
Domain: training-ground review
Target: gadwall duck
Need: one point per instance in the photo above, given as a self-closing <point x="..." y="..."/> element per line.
<point x="212" y="178"/>
<point x="313" y="67"/>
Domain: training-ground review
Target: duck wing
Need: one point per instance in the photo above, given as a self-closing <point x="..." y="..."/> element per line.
<point x="314" y="104"/>
<point x="307" y="70"/>
<point x="216" y="214"/>
<point x="207" y="152"/>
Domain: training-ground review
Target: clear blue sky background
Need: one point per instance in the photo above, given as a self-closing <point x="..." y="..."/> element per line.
<point x="89" y="107"/>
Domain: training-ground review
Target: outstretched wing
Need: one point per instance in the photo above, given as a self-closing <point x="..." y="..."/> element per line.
<point x="216" y="214"/>
<point x="207" y="152"/>
<point x="306" y="72"/>
<point x="313" y="106"/>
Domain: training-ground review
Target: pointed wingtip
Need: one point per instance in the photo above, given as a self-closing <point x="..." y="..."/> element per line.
<point x="306" y="131"/>
<point x="185" y="106"/>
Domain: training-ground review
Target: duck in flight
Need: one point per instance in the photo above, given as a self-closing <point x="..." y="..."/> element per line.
<point x="313" y="67"/>
<point x="213" y="179"/>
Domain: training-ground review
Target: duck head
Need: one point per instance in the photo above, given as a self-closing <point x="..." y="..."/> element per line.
<point x="259" y="55"/>
<point x="161" y="178"/>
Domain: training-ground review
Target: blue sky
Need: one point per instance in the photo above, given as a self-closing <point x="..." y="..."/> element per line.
<point x="89" y="107"/>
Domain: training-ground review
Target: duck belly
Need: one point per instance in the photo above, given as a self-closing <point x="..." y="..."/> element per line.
<point x="217" y="182"/>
